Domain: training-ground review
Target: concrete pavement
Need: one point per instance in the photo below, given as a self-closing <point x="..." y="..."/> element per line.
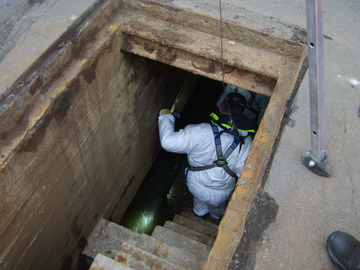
<point x="30" y="29"/>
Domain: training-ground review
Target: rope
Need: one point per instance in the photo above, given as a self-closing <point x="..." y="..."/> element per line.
<point x="231" y="122"/>
<point x="221" y="47"/>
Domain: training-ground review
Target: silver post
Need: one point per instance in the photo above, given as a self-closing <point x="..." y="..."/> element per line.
<point x="316" y="159"/>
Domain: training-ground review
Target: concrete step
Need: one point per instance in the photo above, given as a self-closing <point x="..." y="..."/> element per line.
<point x="201" y="238"/>
<point x="137" y="258"/>
<point x="102" y="262"/>
<point x="174" y="246"/>
<point x="170" y="253"/>
<point x="107" y="237"/>
<point x="214" y="223"/>
<point x="182" y="242"/>
<point x="207" y="230"/>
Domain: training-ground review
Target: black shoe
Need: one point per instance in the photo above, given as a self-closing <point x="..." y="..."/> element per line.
<point x="344" y="250"/>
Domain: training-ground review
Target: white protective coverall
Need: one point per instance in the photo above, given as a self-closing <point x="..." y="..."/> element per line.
<point x="211" y="188"/>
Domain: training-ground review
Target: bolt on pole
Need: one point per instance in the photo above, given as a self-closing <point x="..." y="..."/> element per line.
<point x="316" y="159"/>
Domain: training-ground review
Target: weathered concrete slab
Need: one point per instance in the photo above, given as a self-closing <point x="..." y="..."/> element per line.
<point x="102" y="262"/>
<point x="139" y="259"/>
<point x="181" y="242"/>
<point x="107" y="237"/>
<point x="170" y="253"/>
<point x="39" y="25"/>
<point x="195" y="226"/>
<point x="203" y="16"/>
<point x="189" y="233"/>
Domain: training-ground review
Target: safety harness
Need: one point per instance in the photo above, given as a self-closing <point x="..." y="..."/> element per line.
<point x="221" y="158"/>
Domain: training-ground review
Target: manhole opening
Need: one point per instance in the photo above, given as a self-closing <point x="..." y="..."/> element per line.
<point x="163" y="192"/>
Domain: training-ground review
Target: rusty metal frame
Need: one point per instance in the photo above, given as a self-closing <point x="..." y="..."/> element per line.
<point x="233" y="223"/>
<point x="196" y="64"/>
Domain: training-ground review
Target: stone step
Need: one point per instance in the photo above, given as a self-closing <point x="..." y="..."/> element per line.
<point x="102" y="262"/>
<point x="182" y="242"/>
<point x="170" y="253"/>
<point x="208" y="230"/>
<point x="199" y="237"/>
<point x="214" y="224"/>
<point x="139" y="259"/>
<point x="107" y="237"/>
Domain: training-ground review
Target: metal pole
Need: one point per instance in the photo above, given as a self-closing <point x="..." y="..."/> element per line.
<point x="316" y="159"/>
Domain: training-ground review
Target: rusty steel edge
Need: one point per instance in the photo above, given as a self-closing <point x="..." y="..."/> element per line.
<point x="250" y="181"/>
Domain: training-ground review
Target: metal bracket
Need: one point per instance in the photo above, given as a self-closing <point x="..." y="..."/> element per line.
<point x="313" y="164"/>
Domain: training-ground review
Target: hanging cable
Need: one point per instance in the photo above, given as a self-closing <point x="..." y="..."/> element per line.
<point x="231" y="122"/>
<point x="221" y="47"/>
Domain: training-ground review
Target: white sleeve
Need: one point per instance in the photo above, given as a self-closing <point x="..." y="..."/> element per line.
<point x="172" y="141"/>
<point x="193" y="138"/>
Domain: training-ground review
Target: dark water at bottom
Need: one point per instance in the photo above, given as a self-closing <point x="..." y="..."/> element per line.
<point x="149" y="206"/>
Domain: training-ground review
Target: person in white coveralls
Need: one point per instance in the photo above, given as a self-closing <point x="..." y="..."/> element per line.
<point x="216" y="153"/>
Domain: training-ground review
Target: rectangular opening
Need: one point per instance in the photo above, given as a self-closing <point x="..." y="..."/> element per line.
<point x="165" y="182"/>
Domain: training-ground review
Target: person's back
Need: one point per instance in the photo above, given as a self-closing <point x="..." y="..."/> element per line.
<point x="211" y="184"/>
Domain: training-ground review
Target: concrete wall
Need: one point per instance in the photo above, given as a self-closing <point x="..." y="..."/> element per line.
<point x="84" y="156"/>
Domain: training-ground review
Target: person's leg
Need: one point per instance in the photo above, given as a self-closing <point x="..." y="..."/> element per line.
<point x="200" y="208"/>
<point x="344" y="250"/>
<point x="217" y="211"/>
